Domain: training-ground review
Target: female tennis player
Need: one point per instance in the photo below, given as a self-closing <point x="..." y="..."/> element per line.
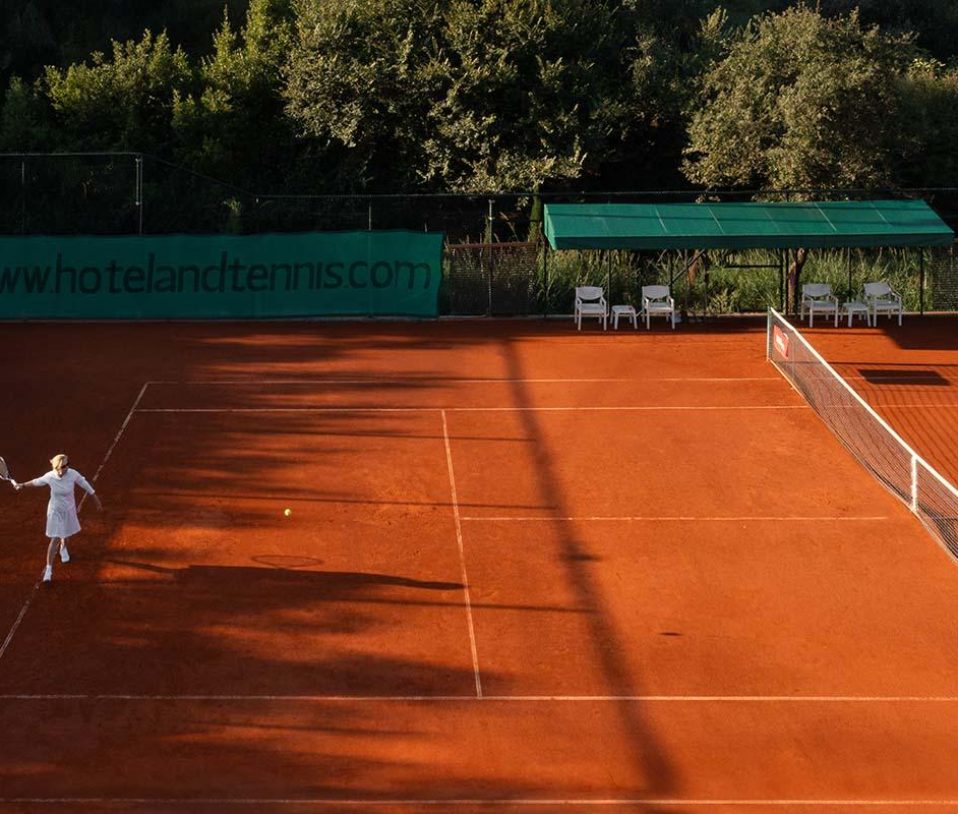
<point x="62" y="520"/>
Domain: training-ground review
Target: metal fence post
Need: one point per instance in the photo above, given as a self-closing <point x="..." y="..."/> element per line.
<point x="138" y="193"/>
<point x="482" y="252"/>
<point x="23" y="196"/>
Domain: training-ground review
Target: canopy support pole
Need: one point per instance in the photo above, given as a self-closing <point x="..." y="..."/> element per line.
<point x="921" y="281"/>
<point x="848" y="263"/>
<point x="783" y="294"/>
<point x="608" y="277"/>
<point x="545" y="280"/>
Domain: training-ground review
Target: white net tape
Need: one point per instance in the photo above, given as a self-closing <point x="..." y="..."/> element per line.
<point x="864" y="433"/>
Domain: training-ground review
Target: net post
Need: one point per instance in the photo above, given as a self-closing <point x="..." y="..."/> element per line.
<point x="914" y="484"/>
<point x="768" y="336"/>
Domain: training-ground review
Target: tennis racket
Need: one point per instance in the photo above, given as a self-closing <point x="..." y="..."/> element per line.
<point x="5" y="472"/>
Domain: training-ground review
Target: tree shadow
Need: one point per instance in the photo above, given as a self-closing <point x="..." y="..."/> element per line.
<point x="250" y="629"/>
<point x="285" y="629"/>
<point x="650" y="759"/>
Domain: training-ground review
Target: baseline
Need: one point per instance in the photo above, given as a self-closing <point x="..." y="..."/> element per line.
<point x="525" y="699"/>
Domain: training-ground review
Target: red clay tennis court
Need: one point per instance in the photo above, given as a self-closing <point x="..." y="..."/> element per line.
<point x="526" y="569"/>
<point x="909" y="374"/>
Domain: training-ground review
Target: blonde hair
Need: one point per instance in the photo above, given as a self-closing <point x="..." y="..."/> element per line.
<point x="59" y="458"/>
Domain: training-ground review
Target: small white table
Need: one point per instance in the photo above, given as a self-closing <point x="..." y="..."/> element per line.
<point x="626" y="311"/>
<point x="853" y="307"/>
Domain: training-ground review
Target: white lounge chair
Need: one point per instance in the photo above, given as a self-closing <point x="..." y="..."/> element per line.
<point x="881" y="298"/>
<point x="656" y="299"/>
<point x="818" y="297"/>
<point x="590" y="302"/>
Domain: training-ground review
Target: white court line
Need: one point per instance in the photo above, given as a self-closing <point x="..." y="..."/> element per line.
<point x="678" y="518"/>
<point x="891" y="405"/>
<point x="469" y="801"/>
<point x="462" y="554"/>
<point x="116" y="439"/>
<point x="656" y="408"/>
<point x="289" y="409"/>
<point x="502" y="699"/>
<point x="123" y="426"/>
<point x="19" y="619"/>
<point x="468" y="380"/>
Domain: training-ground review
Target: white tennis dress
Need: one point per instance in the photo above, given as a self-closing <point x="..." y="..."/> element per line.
<point x="62" y="520"/>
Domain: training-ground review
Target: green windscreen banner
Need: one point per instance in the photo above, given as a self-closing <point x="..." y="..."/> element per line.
<point x="390" y="273"/>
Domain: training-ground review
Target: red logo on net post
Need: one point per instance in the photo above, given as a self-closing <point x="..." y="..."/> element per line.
<point x="780" y="341"/>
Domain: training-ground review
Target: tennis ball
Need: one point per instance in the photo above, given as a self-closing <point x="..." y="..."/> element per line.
<point x="288" y="512"/>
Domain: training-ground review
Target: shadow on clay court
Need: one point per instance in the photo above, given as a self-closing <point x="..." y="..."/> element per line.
<point x="649" y="756"/>
<point x="269" y="630"/>
<point x="147" y="629"/>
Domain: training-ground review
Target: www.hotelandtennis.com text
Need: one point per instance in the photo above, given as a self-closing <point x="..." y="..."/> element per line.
<point x="229" y="275"/>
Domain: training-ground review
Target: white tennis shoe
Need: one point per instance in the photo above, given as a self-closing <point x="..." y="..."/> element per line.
<point x="48" y="573"/>
<point x="64" y="554"/>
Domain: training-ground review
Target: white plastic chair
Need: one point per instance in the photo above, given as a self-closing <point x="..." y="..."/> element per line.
<point x="657" y="300"/>
<point x="590" y="302"/>
<point x="818" y="297"/>
<point x="881" y="298"/>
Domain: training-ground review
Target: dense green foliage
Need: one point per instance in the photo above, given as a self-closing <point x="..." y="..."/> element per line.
<point x="372" y="96"/>
<point x="463" y="95"/>
<point x="800" y="101"/>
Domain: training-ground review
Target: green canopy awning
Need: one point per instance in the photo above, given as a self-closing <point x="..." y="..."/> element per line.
<point x="809" y="225"/>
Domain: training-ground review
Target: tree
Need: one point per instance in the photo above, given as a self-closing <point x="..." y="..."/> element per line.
<point x="934" y="23"/>
<point x="669" y="58"/>
<point x="235" y="126"/>
<point x="25" y="118"/>
<point x="470" y="95"/>
<point x="929" y="125"/>
<point x="801" y="102"/>
<point x="123" y="103"/>
<point x="357" y="88"/>
<point x="26" y="40"/>
<point x="531" y="92"/>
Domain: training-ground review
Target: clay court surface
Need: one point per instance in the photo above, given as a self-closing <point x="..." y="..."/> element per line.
<point x="526" y="570"/>
<point x="909" y="374"/>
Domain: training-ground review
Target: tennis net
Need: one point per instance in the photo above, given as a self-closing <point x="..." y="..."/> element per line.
<point x="864" y="433"/>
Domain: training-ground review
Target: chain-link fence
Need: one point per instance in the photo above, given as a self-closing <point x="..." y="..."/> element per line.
<point x="492" y="279"/>
<point x="495" y="261"/>
<point x="70" y="193"/>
